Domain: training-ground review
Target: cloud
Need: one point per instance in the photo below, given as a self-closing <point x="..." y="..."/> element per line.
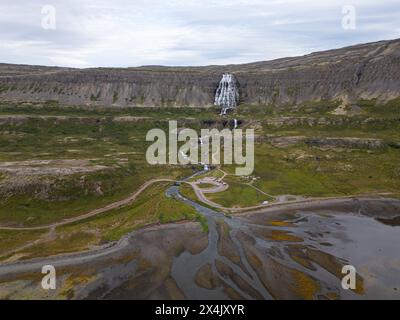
<point x="124" y="33"/>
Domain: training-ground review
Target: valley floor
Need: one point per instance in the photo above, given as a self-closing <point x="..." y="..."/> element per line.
<point x="75" y="180"/>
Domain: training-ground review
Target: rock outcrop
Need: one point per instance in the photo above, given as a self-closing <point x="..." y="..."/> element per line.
<point x="359" y="72"/>
<point x="334" y="142"/>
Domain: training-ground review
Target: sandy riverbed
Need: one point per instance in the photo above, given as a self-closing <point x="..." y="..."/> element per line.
<point x="289" y="252"/>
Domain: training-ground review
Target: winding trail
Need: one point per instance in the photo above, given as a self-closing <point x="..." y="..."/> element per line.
<point x="112" y="206"/>
<point x="180" y="263"/>
<point x="75" y="258"/>
<point x="202" y="198"/>
<point x="200" y="194"/>
<point x="250" y="184"/>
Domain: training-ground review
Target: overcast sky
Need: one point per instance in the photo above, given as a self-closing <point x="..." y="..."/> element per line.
<point x="122" y="33"/>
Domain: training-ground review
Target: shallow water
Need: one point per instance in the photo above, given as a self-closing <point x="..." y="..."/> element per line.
<point x="370" y="246"/>
<point x="281" y="254"/>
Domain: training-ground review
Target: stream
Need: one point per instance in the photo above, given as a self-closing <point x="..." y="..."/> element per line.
<point x="291" y="252"/>
<point x="350" y="237"/>
<point x="189" y="264"/>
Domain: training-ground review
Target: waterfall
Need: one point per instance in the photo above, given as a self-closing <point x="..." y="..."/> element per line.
<point x="234" y="123"/>
<point x="227" y="95"/>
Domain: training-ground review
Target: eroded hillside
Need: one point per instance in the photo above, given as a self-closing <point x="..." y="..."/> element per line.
<point x="365" y="71"/>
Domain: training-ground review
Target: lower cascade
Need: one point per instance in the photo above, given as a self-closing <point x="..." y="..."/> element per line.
<point x="227" y="95"/>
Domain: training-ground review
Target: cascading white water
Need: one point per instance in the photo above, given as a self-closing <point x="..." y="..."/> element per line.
<point x="235" y="123"/>
<point x="227" y="95"/>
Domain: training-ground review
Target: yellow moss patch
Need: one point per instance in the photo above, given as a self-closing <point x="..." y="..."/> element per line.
<point x="332" y="296"/>
<point x="334" y="266"/>
<point x="297" y="254"/>
<point x="305" y="286"/>
<point x="71" y="282"/>
<point x="278" y="235"/>
<point x="277" y="223"/>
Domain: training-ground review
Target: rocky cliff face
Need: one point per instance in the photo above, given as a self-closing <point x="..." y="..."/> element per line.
<point x="359" y="72"/>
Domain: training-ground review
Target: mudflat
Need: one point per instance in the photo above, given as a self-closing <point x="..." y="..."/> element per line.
<point x="287" y="252"/>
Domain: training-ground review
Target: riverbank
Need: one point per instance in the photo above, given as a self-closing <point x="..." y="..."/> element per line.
<point x="224" y="259"/>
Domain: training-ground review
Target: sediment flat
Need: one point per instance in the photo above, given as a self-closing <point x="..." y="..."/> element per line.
<point x="237" y="258"/>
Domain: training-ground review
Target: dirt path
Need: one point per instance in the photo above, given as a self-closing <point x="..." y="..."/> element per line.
<point x="114" y="205"/>
<point x="202" y="197"/>
<point x="298" y="204"/>
<point x="199" y="194"/>
<point x="250" y="184"/>
<point x="74" y="258"/>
